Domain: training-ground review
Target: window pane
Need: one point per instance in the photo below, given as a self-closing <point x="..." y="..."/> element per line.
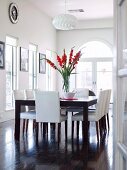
<point x="32" y="66"/>
<point x="104" y="75"/>
<point x="96" y="49"/>
<point x="84" y="75"/>
<point x="11" y="70"/>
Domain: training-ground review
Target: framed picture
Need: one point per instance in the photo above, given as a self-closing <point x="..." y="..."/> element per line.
<point x="24" y="57"/>
<point x="42" y="63"/>
<point x="2" y="54"/>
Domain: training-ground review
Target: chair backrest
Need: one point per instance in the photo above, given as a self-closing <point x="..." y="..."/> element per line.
<point x="101" y="104"/>
<point x="91" y="93"/>
<point x="30" y="95"/>
<point x="47" y="106"/>
<point x="20" y="95"/>
<point x="108" y="101"/>
<point x="81" y="92"/>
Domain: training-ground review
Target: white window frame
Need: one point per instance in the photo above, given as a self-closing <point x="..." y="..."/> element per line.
<point x="33" y="74"/>
<point x="13" y="70"/>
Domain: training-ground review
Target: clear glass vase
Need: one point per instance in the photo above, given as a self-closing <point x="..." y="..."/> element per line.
<point x="66" y="82"/>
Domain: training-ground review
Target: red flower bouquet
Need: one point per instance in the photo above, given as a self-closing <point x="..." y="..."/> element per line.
<point x="66" y="66"/>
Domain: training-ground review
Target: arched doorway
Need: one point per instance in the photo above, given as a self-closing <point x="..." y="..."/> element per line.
<point x="94" y="70"/>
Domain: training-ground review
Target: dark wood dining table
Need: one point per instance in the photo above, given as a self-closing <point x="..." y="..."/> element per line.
<point x="80" y="102"/>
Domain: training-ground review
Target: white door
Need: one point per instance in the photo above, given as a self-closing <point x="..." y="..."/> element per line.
<point x="95" y="74"/>
<point x="120" y="112"/>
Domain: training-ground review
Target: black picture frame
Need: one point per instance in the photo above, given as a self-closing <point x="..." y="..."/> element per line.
<point x="2" y="55"/>
<point x="13" y="13"/>
<point x="24" y="59"/>
<point x="42" y="63"/>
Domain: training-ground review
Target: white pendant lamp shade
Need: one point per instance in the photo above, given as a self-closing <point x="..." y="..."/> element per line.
<point x="64" y="22"/>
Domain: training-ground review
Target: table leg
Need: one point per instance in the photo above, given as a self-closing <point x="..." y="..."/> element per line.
<point x="85" y="134"/>
<point x="85" y="123"/>
<point x="17" y="121"/>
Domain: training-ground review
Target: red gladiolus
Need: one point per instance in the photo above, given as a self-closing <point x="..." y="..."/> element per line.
<point x="64" y="59"/>
<point x="65" y="67"/>
<point x="70" y="58"/>
<point x="59" y="60"/>
<point x="51" y="63"/>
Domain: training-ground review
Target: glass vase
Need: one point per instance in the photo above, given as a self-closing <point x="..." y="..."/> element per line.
<point x="66" y="81"/>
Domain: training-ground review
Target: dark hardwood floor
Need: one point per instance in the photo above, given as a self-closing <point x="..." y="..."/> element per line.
<point x="48" y="154"/>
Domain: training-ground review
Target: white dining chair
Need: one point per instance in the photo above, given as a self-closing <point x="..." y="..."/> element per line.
<point x="30" y="95"/>
<point x="91" y="93"/>
<point x="79" y="93"/>
<point x="48" y="109"/>
<point x="24" y="114"/>
<point x="93" y="115"/>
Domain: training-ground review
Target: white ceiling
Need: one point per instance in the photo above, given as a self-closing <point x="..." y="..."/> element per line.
<point x="93" y="9"/>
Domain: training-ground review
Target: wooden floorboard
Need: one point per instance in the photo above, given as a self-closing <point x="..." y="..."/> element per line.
<point x="48" y="154"/>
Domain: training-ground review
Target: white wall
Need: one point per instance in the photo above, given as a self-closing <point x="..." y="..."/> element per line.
<point x="101" y="30"/>
<point x="33" y="27"/>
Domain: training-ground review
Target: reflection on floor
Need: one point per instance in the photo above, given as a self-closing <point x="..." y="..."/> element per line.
<point x="48" y="154"/>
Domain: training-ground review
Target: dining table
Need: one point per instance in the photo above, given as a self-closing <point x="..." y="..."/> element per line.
<point x="84" y="103"/>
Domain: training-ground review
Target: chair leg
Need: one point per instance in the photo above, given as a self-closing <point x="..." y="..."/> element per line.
<point x="59" y="130"/>
<point x="41" y="125"/>
<point x="100" y="127"/>
<point x="44" y="129"/>
<point x="27" y="122"/>
<point x="103" y="121"/>
<point x="104" y="124"/>
<point x="66" y="130"/>
<point x="34" y="125"/>
<point x="108" y="121"/>
<point x="47" y="127"/>
<point x="78" y="129"/>
<point x="36" y="128"/>
<point x="53" y="125"/>
<point x="72" y="130"/>
<point x="24" y="125"/>
<point x="97" y="131"/>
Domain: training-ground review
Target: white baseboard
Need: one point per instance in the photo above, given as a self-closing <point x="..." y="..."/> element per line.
<point x="6" y="115"/>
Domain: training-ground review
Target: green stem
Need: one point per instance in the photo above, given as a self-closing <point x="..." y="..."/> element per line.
<point x="66" y="83"/>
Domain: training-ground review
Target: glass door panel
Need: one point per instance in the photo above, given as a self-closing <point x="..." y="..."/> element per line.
<point x="95" y="75"/>
<point x="84" y="76"/>
<point x="104" y="75"/>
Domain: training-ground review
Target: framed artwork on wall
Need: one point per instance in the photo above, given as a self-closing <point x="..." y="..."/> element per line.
<point x="2" y="55"/>
<point x="24" y="57"/>
<point x="42" y="63"/>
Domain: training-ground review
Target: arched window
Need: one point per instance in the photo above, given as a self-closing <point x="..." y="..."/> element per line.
<point x="96" y="49"/>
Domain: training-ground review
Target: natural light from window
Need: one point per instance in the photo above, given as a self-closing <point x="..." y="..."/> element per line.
<point x="96" y="49"/>
<point x="94" y="70"/>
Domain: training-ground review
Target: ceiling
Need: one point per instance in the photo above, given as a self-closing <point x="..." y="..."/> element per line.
<point x="93" y="9"/>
